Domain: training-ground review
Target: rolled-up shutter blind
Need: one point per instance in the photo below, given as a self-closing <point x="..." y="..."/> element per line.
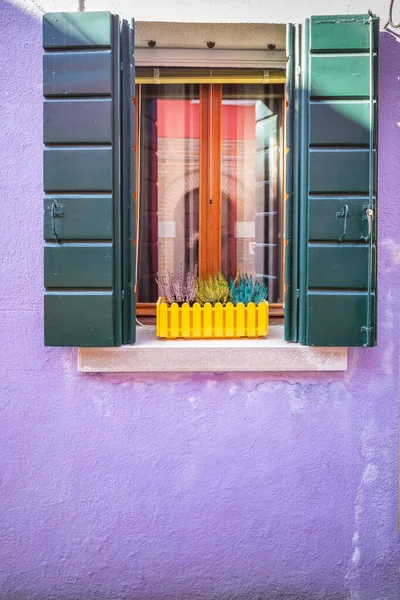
<point x="338" y="181"/>
<point x="82" y="172"/>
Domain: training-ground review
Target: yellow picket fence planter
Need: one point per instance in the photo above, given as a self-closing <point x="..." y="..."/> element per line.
<point x="211" y="321"/>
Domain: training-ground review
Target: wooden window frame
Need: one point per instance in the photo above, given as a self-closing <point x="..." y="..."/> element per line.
<point x="210" y="197"/>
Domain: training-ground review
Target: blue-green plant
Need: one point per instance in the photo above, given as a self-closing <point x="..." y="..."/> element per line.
<point x="243" y="289"/>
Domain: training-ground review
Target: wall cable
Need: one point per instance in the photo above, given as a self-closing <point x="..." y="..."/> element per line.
<point x="390" y="21"/>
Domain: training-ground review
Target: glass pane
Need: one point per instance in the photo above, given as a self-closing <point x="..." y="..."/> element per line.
<point x="252" y="183"/>
<point x="168" y="183"/>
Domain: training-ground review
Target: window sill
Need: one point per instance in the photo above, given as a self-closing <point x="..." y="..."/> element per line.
<point x="151" y="354"/>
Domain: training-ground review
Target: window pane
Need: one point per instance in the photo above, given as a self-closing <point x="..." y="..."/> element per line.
<point x="168" y="183"/>
<point x="251" y="184"/>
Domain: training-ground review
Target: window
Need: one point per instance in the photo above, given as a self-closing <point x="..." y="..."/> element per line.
<point x="330" y="167"/>
<point x="209" y="176"/>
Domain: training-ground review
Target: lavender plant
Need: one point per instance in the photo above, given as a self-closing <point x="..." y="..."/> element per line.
<point x="242" y="289"/>
<point x="178" y="288"/>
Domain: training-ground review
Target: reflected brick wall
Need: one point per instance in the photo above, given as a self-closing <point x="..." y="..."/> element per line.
<point x="178" y="175"/>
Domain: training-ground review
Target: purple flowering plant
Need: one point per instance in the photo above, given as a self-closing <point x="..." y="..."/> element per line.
<point x="178" y="288"/>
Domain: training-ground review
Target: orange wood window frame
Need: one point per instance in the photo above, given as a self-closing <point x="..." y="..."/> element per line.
<point x="210" y="206"/>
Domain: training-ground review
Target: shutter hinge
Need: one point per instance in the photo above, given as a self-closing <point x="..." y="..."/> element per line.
<point x="122" y="66"/>
<point x="298" y="71"/>
<point x="297" y="293"/>
<point x="368" y="331"/>
<point x="123" y="294"/>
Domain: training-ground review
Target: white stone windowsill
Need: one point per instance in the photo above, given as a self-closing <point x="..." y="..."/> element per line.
<point x="151" y="354"/>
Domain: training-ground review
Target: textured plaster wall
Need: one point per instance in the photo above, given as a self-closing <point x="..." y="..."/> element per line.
<point x="172" y="487"/>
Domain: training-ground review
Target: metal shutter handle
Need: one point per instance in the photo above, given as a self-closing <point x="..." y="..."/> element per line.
<point x="369" y="215"/>
<point x="56" y="213"/>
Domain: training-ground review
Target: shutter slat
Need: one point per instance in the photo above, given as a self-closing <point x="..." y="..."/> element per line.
<point x="337" y="292"/>
<point x="339" y="76"/>
<point x="344" y="33"/>
<point x="78" y="169"/>
<point x="79" y="319"/>
<point x="77" y="30"/>
<point x="339" y="122"/>
<point x="81" y="179"/>
<point x="85" y="218"/>
<point x="80" y="265"/>
<point x="337" y="266"/>
<point x="77" y="73"/>
<point x="324" y="225"/>
<point x="338" y="171"/>
<point x="340" y="309"/>
<point x="79" y="121"/>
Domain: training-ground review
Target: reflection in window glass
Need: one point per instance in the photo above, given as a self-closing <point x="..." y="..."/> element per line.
<point x="250" y="188"/>
<point x="168" y="183"/>
<point x="251" y="183"/>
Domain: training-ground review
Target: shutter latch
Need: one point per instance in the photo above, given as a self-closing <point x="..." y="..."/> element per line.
<point x="56" y="212"/>
<point x="343" y="214"/>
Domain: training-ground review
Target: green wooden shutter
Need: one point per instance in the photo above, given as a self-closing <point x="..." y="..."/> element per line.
<point x="291" y="250"/>
<point x="338" y="181"/>
<point x="82" y="179"/>
<point x="128" y="139"/>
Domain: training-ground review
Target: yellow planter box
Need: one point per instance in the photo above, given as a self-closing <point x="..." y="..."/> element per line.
<point x="211" y="321"/>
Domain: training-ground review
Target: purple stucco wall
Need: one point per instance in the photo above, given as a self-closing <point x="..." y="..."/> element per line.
<point x="173" y="487"/>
